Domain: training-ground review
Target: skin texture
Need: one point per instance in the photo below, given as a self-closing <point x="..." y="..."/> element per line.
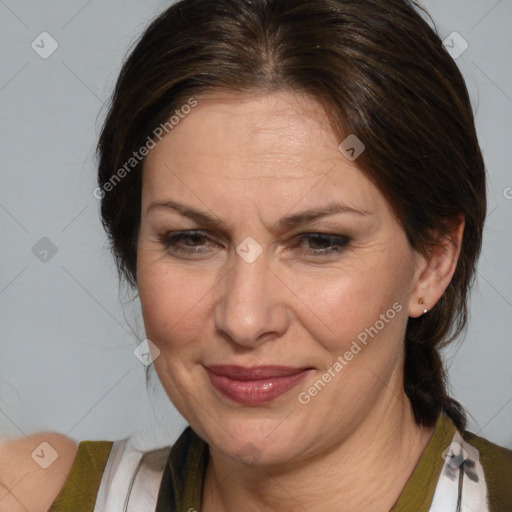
<point x="24" y="485"/>
<point x="248" y="161"/>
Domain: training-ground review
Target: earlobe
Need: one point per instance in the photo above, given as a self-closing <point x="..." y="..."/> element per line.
<point x="422" y="301"/>
<point x="438" y="271"/>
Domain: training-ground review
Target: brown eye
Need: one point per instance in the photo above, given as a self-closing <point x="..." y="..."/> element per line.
<point x="321" y="244"/>
<point x="187" y="242"/>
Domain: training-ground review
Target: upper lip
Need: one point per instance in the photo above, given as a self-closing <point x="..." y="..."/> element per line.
<point x="254" y="372"/>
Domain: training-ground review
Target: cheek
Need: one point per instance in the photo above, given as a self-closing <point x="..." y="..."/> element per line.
<point x="174" y="304"/>
<point x="363" y="300"/>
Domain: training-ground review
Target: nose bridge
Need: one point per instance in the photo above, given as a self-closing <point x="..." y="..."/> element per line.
<point x="250" y="306"/>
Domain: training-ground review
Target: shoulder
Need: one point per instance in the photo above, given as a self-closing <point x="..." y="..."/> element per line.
<point x="491" y="453"/>
<point x="33" y="470"/>
<point x="497" y="465"/>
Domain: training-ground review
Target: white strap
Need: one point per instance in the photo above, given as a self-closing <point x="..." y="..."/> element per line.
<point x="474" y="487"/>
<point x="146" y="484"/>
<point x="131" y="479"/>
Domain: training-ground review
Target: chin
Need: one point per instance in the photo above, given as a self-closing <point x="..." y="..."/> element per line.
<point x="255" y="443"/>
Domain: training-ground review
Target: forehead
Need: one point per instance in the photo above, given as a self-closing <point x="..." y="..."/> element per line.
<point x="279" y="145"/>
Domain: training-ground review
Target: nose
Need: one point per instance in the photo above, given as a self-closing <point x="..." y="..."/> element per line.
<point x="252" y="308"/>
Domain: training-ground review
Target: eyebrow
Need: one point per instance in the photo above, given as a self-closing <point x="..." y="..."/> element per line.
<point x="288" y="222"/>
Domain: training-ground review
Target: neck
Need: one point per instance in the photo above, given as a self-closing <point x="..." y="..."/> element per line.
<point x="367" y="471"/>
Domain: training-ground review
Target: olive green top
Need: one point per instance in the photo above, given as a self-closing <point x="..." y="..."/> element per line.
<point x="79" y="491"/>
<point x="183" y="476"/>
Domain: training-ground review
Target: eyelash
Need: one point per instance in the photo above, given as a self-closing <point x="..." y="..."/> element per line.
<point x="170" y="241"/>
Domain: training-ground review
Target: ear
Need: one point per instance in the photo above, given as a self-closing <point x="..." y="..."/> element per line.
<point x="434" y="272"/>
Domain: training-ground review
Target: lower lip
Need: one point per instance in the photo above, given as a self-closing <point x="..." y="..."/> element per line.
<point x="253" y="392"/>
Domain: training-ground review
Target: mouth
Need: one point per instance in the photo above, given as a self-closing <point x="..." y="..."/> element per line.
<point x="256" y="384"/>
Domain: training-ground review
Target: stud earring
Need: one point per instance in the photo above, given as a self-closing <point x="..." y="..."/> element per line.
<point x="421" y="301"/>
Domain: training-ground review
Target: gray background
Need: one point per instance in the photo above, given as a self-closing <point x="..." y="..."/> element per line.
<point x="66" y="361"/>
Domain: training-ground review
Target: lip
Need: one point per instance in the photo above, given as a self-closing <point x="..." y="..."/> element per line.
<point x="255" y="384"/>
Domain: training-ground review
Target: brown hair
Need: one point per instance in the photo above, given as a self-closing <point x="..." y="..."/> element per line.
<point x="381" y="72"/>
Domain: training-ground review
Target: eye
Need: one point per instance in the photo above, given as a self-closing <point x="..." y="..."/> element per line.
<point x="322" y="244"/>
<point x="187" y="242"/>
<point x="196" y="242"/>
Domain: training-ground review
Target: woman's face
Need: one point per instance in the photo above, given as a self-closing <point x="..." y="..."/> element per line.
<point x="259" y="286"/>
